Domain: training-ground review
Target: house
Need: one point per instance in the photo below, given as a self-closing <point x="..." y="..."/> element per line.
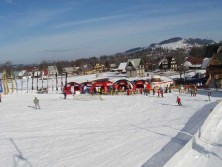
<point x="37" y="74"/>
<point x="172" y="64"/>
<point x="86" y="69"/>
<point x="193" y="62"/>
<point x="22" y="74"/>
<point x="99" y="67"/>
<point x="168" y="63"/>
<point x="214" y="70"/>
<point x="112" y="67"/>
<point x="122" y="67"/>
<point x="52" y="70"/>
<point x="68" y="70"/>
<point x="164" y="64"/>
<point x="71" y="71"/>
<point x="135" y="68"/>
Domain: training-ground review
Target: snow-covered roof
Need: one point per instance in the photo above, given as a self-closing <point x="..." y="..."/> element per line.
<point x="122" y="66"/>
<point x="205" y="63"/>
<point x="52" y="68"/>
<point x="22" y="73"/>
<point x="187" y="64"/>
<point x="134" y="62"/>
<point x="219" y="49"/>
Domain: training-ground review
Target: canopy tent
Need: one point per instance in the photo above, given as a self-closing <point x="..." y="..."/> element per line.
<point x="86" y="87"/>
<point x="139" y="84"/>
<point x="102" y="87"/>
<point x="72" y="88"/>
<point x="157" y="82"/>
<point x="123" y="84"/>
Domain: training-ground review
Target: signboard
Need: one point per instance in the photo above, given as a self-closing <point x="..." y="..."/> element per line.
<point x="140" y="82"/>
<point x="1" y="89"/>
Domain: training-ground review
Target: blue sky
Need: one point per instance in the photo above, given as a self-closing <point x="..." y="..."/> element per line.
<point x="35" y="30"/>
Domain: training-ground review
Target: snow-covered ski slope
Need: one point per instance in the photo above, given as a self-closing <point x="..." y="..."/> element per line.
<point x="111" y="131"/>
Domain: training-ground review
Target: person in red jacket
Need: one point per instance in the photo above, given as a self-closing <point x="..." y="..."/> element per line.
<point x="179" y="101"/>
<point x="128" y="91"/>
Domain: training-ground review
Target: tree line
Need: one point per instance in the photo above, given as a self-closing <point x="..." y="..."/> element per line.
<point x="150" y="58"/>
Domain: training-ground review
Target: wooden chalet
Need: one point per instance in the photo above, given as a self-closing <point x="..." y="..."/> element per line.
<point x="214" y="70"/>
<point x="135" y="68"/>
<point x="168" y="63"/>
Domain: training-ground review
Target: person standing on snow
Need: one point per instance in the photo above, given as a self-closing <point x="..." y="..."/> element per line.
<point x="161" y="91"/>
<point x="36" y="102"/>
<point x="209" y="95"/>
<point x="192" y="92"/>
<point x="170" y="89"/>
<point x="153" y="90"/>
<point x="166" y="89"/>
<point x="145" y="91"/>
<point x="179" y="101"/>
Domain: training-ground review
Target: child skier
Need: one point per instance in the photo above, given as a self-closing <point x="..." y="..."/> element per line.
<point x="179" y="101"/>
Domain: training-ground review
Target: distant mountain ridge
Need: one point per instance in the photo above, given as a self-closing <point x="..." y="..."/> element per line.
<point x="178" y="42"/>
<point x="134" y="50"/>
<point x="175" y="43"/>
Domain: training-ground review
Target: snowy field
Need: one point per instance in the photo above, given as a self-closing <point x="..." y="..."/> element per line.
<point x="111" y="131"/>
<point x="87" y="131"/>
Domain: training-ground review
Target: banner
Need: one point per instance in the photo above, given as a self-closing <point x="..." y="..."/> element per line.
<point x="1" y="89"/>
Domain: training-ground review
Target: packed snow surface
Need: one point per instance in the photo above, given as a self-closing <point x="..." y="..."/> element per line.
<point x="85" y="130"/>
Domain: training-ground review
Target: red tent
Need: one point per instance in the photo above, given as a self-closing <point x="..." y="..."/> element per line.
<point x="86" y="86"/>
<point x="72" y="87"/>
<point x="123" y="84"/>
<point x="102" y="87"/>
<point x="139" y="84"/>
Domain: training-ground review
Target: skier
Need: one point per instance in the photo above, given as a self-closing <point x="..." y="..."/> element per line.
<point x="166" y="89"/>
<point x="179" y="101"/>
<point x="209" y="94"/>
<point x="64" y="93"/>
<point x="145" y="91"/>
<point x="36" y="102"/>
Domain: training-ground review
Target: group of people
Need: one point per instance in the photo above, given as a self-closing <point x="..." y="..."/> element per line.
<point x="187" y="88"/>
<point x="161" y="90"/>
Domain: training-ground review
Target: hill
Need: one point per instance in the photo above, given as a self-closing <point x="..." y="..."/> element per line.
<point x="181" y="43"/>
